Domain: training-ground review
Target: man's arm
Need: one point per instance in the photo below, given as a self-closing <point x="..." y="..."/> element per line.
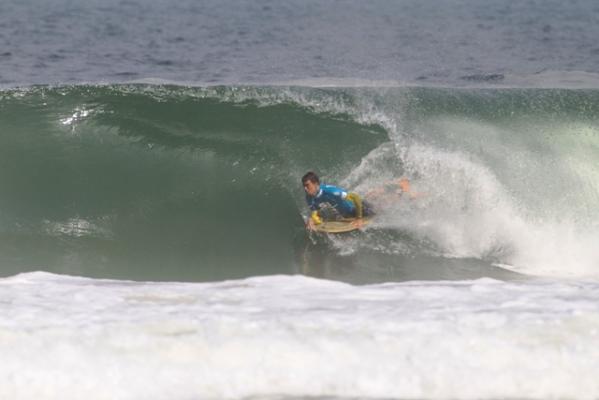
<point x="315" y="217"/>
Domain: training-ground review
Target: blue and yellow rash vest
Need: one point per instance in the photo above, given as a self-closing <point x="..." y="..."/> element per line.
<point x="332" y="196"/>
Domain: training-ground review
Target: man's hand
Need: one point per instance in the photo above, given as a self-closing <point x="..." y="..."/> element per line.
<point x="310" y="224"/>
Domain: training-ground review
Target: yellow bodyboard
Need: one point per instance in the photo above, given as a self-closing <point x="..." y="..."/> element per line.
<point x="339" y="226"/>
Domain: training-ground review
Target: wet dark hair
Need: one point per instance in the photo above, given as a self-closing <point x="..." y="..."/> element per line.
<point x="310" y="176"/>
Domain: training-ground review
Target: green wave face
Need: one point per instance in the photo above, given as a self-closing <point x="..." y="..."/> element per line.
<point x="161" y="183"/>
<point x="177" y="183"/>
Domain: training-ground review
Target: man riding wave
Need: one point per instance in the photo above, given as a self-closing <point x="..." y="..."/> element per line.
<point x="322" y="198"/>
<point x="328" y="202"/>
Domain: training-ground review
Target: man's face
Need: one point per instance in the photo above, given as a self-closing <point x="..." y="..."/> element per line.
<point x="311" y="188"/>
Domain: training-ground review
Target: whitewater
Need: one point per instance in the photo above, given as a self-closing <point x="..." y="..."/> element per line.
<point x="295" y="337"/>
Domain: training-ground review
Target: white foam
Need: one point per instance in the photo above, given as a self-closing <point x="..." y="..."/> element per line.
<point x="73" y="338"/>
<point x="518" y="202"/>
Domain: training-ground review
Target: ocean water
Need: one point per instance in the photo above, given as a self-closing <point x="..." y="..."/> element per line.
<point x="152" y="240"/>
<point x="445" y="42"/>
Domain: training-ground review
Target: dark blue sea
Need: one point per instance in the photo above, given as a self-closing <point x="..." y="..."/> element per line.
<point x="445" y="42"/>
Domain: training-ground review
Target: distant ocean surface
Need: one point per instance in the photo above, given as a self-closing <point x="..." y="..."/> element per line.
<point x="152" y="240"/>
<point x="449" y="42"/>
